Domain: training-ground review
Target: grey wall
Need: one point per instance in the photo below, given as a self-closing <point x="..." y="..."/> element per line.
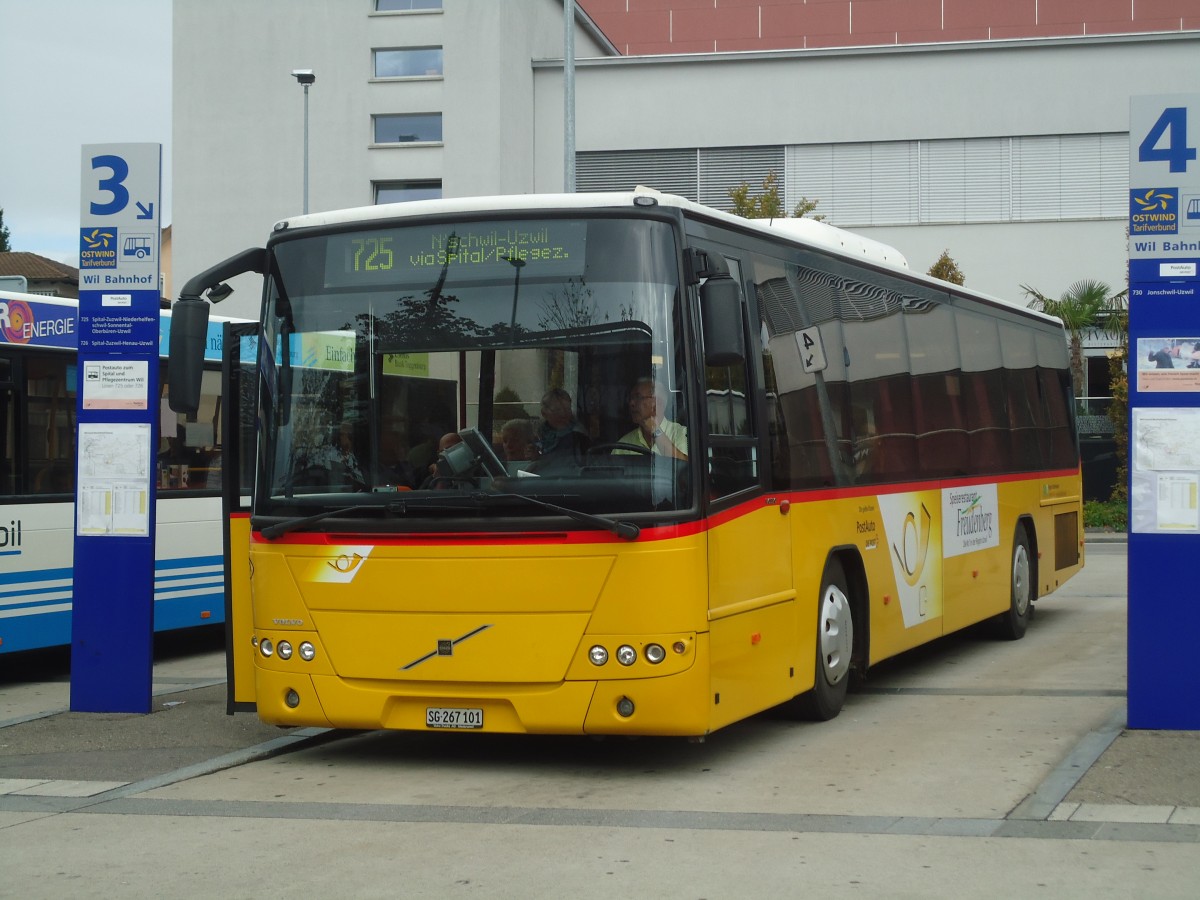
<point x="1017" y="88"/>
<point x="238" y="113"/>
<point x="238" y="117"/>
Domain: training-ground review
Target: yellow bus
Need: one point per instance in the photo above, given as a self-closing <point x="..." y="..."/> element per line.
<point x="620" y="464"/>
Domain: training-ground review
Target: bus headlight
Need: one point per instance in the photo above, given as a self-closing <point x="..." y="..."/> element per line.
<point x="598" y="655"/>
<point x="307" y="651"/>
<point x="655" y="654"/>
<point x="265" y="647"/>
<point x="626" y="655"/>
<point x="284" y="650"/>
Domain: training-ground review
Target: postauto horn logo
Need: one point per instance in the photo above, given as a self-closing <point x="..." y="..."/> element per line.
<point x="97" y="248"/>
<point x="1153" y="211"/>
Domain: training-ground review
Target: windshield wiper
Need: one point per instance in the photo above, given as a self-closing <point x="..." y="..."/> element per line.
<point x="626" y="530"/>
<point x="279" y="529"/>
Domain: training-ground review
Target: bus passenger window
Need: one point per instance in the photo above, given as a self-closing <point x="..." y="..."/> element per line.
<point x="8" y="439"/>
<point x="50" y="434"/>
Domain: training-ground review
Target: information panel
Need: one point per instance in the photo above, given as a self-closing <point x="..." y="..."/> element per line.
<point x="1164" y="399"/>
<point x="112" y="637"/>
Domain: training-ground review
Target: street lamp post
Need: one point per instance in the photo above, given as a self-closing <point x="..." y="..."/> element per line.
<point x="517" y="264"/>
<point x="305" y="77"/>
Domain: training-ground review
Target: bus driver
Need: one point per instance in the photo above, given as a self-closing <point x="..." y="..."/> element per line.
<point x="654" y="431"/>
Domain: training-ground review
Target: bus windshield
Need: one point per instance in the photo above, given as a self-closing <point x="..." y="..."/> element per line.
<point x="475" y="368"/>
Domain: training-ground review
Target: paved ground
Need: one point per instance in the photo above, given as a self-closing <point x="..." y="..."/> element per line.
<point x="995" y="772"/>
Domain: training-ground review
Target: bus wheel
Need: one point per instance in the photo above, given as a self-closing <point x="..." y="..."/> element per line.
<point x="835" y="647"/>
<point x="1011" y="624"/>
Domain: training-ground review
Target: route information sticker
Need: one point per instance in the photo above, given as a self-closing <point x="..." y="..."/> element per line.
<point x="114" y="478"/>
<point x="1165" y="478"/>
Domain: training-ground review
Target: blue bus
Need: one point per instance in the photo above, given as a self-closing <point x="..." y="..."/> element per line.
<point x="38" y="376"/>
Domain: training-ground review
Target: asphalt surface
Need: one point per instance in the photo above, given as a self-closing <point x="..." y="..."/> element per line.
<point x="208" y="804"/>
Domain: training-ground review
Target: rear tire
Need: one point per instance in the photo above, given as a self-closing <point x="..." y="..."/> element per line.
<point x="1011" y="624"/>
<point x="835" y="648"/>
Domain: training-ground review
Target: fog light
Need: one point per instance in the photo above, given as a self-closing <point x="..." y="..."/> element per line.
<point x="626" y="655"/>
<point x="625" y="707"/>
<point x="284" y="650"/>
<point x="292" y="699"/>
<point x="265" y="647"/>
<point x="307" y="651"/>
<point x="598" y="655"/>
<point x="654" y="654"/>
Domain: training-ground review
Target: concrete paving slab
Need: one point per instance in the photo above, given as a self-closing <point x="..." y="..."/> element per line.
<point x="12" y="818"/>
<point x="13" y="785"/>
<point x="69" y="788"/>
<point x="932" y="757"/>
<point x="1185" y="815"/>
<point x="133" y="856"/>
<point x="1062" y="812"/>
<point x="1112" y="812"/>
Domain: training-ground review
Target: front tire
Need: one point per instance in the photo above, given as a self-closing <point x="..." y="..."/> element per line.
<point x="835" y="648"/>
<point x="1011" y="625"/>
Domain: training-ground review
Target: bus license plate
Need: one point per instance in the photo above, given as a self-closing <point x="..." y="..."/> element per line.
<point x="447" y="717"/>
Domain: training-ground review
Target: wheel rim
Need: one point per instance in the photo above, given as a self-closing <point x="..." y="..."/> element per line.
<point x="1020" y="579"/>
<point x="836" y="634"/>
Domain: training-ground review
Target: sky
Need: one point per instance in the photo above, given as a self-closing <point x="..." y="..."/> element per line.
<point x="76" y="72"/>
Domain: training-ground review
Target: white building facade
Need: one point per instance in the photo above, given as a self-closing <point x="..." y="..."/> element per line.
<point x="1010" y="155"/>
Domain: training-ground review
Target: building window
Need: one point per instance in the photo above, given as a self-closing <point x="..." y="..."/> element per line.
<point x="408" y="128"/>
<point x="412" y="62"/>
<point x="402" y="191"/>
<point x="406" y="5"/>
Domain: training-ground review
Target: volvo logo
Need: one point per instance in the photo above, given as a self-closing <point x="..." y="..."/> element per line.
<point x="445" y="647"/>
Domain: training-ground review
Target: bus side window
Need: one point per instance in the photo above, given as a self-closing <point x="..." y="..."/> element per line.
<point x="8" y="440"/>
<point x="50" y="427"/>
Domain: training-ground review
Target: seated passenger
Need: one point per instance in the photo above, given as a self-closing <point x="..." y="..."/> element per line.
<point x="435" y="480"/>
<point x="655" y="432"/>
<point x="560" y="437"/>
<point x="516" y="437"/>
<point x="394" y="468"/>
<point x="333" y="462"/>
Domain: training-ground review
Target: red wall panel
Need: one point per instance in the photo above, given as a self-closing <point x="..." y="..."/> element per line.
<point x="1052" y="12"/>
<point x="690" y="26"/>
<point x="713" y="24"/>
<point x="894" y="15"/>
<point x="989" y="13"/>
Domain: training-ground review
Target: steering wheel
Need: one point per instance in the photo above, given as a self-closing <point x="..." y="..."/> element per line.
<point x="619" y="445"/>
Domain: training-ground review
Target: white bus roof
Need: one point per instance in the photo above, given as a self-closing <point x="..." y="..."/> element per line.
<point x="805" y="232"/>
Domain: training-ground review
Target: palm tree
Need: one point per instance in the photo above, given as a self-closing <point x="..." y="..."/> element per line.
<point x="1086" y="304"/>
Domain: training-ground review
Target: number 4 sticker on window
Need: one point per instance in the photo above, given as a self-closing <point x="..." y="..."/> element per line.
<point x="1177" y="154"/>
<point x="812" y="352"/>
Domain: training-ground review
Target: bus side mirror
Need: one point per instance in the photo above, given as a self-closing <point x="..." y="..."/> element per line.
<point x="721" y="321"/>
<point x="185" y="361"/>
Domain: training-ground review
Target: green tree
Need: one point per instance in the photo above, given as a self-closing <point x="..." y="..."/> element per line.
<point x="769" y="203"/>
<point x="1087" y="304"/>
<point x="947" y="269"/>
<point x="807" y="208"/>
<point x="5" y="244"/>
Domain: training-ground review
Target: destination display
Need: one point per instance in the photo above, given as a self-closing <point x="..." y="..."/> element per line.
<point x="479" y="250"/>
